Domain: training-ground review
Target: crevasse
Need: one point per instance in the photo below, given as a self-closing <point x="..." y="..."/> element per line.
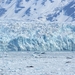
<point x="36" y="36"/>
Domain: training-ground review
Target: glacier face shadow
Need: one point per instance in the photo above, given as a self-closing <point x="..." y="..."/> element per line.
<point x="36" y="36"/>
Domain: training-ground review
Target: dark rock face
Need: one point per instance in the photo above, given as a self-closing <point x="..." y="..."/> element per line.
<point x="70" y="9"/>
<point x="2" y="11"/>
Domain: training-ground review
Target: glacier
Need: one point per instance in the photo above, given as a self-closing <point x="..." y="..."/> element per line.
<point x="20" y="35"/>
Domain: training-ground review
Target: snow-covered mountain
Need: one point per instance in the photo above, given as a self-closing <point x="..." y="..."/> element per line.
<point x="43" y="10"/>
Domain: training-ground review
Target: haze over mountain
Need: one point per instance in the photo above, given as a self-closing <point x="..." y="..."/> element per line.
<point x="43" y="10"/>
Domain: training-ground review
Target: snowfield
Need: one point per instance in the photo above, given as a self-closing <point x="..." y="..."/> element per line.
<point x="33" y="63"/>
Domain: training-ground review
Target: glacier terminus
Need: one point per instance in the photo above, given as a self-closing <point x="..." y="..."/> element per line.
<point x="36" y="36"/>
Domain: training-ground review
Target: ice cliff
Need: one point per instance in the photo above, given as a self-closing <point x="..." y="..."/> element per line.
<point x="36" y="36"/>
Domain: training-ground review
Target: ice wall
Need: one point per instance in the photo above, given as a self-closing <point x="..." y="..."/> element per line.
<point x="36" y="36"/>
